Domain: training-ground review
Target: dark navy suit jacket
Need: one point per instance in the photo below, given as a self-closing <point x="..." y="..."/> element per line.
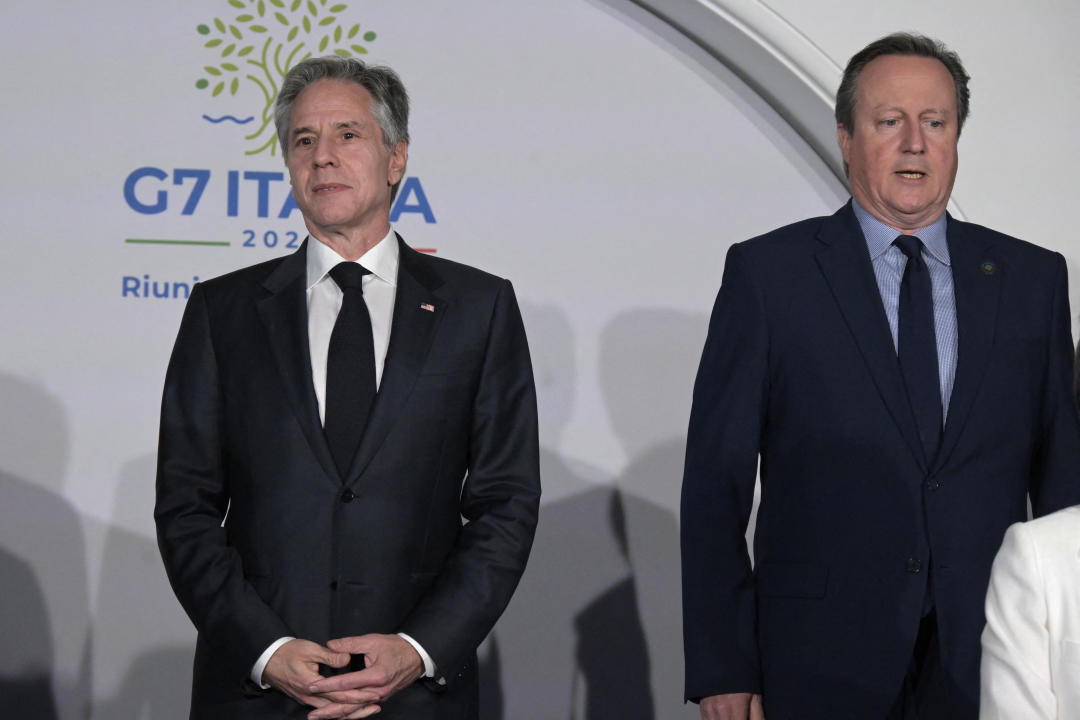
<point x="800" y="370"/>
<point x="309" y="553"/>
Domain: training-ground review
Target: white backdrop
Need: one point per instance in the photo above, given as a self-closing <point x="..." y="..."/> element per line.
<point x="585" y="149"/>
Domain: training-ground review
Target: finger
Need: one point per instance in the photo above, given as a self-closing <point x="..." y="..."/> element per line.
<point x="334" y="710"/>
<point x="353" y="697"/>
<point x="355" y="645"/>
<point x="365" y="712"/>
<point x="368" y="677"/>
<point x="334" y="659"/>
<point x="757" y="708"/>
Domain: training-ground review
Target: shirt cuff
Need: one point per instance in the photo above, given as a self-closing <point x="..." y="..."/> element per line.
<point x="260" y="664"/>
<point x="429" y="664"/>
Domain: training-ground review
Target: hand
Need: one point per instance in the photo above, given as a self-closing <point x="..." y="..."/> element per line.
<point x="732" y="706"/>
<point x="295" y="666"/>
<point x="391" y="663"/>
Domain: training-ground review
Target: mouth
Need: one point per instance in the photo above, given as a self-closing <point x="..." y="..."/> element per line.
<point x="325" y="188"/>
<point x="911" y="174"/>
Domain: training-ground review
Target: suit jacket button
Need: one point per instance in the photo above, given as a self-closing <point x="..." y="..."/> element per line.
<point x="912" y="565"/>
<point x="347" y="496"/>
<point x="333" y="584"/>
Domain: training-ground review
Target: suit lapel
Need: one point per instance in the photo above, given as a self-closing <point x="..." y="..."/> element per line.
<point x="284" y="315"/>
<point x="417" y="313"/>
<point x="976" y="272"/>
<point x="845" y="262"/>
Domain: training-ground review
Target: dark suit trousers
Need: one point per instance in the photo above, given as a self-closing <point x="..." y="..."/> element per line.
<point x="923" y="695"/>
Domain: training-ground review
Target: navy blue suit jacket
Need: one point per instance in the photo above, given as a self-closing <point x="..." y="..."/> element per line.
<point x="307" y="552"/>
<point x="800" y="370"/>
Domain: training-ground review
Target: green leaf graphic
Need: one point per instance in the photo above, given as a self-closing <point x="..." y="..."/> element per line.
<point x="268" y="59"/>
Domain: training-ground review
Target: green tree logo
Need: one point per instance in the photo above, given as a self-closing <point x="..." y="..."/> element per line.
<point x="262" y="43"/>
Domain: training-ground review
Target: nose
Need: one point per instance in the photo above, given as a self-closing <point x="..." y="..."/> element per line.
<point x="914" y="142"/>
<point x="324" y="154"/>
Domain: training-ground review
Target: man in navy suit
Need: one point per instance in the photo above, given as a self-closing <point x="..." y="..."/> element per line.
<point x="904" y="379"/>
<point x="348" y="468"/>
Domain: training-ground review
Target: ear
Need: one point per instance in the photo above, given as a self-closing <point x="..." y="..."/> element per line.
<point x="843" y="137"/>
<point x="399" y="158"/>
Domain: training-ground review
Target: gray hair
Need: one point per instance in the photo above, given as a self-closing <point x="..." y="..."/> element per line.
<point x="389" y="100"/>
<point x="901" y="44"/>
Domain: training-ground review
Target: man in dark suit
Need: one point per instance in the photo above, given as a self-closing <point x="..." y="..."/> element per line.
<point x="348" y="474"/>
<point x="903" y="411"/>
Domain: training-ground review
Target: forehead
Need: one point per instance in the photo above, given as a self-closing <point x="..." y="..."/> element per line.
<point x="331" y="101"/>
<point x="912" y="82"/>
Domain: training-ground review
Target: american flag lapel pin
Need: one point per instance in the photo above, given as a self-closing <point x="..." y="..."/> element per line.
<point x="427" y="306"/>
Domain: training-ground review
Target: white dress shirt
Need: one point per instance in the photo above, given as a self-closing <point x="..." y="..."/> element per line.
<point x="323" y="304"/>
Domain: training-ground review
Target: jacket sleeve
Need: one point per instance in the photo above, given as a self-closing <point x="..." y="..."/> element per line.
<point x="499" y="501"/>
<point x="1015" y="674"/>
<point x="193" y="499"/>
<point x="727" y="420"/>
<point x="1055" y="483"/>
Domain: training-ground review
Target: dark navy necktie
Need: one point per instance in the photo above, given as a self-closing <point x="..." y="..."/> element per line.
<point x="917" y="345"/>
<point x="350" y="367"/>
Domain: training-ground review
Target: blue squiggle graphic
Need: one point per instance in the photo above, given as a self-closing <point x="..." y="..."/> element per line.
<point x="223" y="118"/>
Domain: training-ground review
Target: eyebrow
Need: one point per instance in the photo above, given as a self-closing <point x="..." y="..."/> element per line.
<point x="337" y="126"/>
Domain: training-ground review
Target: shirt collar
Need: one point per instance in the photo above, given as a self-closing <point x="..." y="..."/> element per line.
<point x="381" y="260"/>
<point x="880" y="236"/>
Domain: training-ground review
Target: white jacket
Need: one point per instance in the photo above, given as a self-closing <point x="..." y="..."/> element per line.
<point x="1031" y="643"/>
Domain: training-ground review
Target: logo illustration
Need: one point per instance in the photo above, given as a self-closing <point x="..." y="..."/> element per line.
<point x="261" y="44"/>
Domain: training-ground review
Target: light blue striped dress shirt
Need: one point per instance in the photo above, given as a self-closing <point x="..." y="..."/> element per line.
<point x="889" y="263"/>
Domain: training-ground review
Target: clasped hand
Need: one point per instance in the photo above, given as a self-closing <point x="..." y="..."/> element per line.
<point x="390" y="665"/>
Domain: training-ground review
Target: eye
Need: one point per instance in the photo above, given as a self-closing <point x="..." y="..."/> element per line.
<point x="890" y="122"/>
<point x="348" y="135"/>
<point x="303" y="141"/>
<point x="936" y="123"/>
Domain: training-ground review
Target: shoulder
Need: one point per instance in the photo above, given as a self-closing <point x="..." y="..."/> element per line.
<point x="243" y="281"/>
<point x="795" y="238"/>
<point x="449" y="276"/>
<point x="1026" y="254"/>
<point x="1061" y="527"/>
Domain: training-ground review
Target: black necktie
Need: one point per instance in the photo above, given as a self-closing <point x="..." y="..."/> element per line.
<point x="917" y="345"/>
<point x="350" y="367"/>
